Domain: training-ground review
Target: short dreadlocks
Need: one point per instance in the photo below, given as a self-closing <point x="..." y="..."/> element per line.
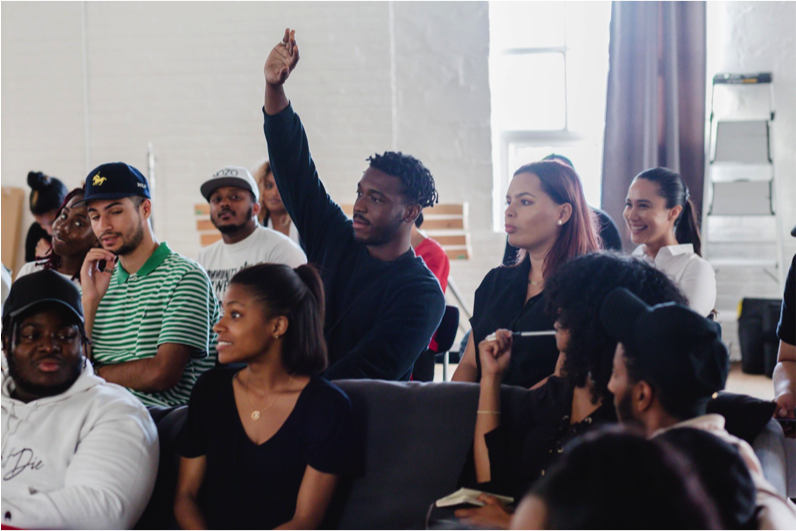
<point x="417" y="180"/>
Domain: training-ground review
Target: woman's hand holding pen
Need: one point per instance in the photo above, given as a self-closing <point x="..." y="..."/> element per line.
<point x="495" y="354"/>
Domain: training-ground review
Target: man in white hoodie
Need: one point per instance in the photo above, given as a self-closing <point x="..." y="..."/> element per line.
<point x="77" y="452"/>
<point x="669" y="363"/>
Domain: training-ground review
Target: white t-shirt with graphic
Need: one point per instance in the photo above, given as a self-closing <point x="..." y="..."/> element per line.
<point x="264" y="245"/>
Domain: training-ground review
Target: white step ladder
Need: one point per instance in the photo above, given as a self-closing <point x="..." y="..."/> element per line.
<point x="740" y="180"/>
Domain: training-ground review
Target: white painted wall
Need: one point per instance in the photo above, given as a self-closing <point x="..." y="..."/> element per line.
<point x="87" y="83"/>
<point x="748" y="37"/>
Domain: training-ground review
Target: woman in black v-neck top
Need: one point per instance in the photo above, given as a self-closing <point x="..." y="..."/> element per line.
<point x="263" y="446"/>
<point x="548" y="219"/>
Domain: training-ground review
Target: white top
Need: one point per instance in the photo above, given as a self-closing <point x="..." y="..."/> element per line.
<point x="33" y="267"/>
<point x="222" y="260"/>
<point x="692" y="274"/>
<point x="84" y="459"/>
<point x="293" y="231"/>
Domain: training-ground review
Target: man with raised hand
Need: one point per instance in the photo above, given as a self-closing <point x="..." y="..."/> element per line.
<point x="150" y="315"/>
<point x="382" y="303"/>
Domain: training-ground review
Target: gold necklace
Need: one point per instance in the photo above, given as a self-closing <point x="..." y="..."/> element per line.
<point x="256" y="413"/>
<point x="535" y="283"/>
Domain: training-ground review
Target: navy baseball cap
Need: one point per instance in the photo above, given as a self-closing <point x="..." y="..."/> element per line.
<point x="673" y="346"/>
<point x="40" y="287"/>
<point x="115" y="180"/>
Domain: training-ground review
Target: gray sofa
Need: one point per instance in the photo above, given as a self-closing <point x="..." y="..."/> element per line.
<point x="416" y="440"/>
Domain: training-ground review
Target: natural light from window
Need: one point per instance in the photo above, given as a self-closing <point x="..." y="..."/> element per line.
<point x="548" y="68"/>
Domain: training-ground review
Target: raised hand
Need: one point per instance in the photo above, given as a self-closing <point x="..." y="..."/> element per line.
<point x="282" y="59"/>
<point x="94" y="282"/>
<point x="495" y="354"/>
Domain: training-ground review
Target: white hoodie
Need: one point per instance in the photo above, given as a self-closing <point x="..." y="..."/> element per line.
<point x="84" y="459"/>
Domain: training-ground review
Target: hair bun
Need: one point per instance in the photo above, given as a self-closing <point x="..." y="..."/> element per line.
<point x="37" y="180"/>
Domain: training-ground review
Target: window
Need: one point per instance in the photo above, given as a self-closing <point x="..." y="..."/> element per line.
<point x="548" y="69"/>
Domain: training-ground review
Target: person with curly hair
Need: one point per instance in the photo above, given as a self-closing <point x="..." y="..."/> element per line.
<point x="383" y="304"/>
<point x="272" y="211"/>
<point x="509" y="454"/>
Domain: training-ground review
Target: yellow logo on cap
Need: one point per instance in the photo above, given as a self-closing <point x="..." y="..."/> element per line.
<point x="97" y="181"/>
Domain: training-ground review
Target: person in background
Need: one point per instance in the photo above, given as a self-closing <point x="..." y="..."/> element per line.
<point x="438" y="263"/>
<point x="785" y="371"/>
<point x="512" y="453"/>
<point x="548" y="219"/>
<point x="669" y="362"/>
<point x="264" y="446"/>
<point x="609" y="233"/>
<point x="149" y="310"/>
<point x="46" y="195"/>
<point x="383" y="304"/>
<point x="78" y="452"/>
<point x="662" y="221"/>
<point x="272" y="211"/>
<point x="234" y="204"/>
<point x="72" y="239"/>
<point x="618" y="480"/>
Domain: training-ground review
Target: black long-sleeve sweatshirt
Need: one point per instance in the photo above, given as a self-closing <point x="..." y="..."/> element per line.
<point x="379" y="315"/>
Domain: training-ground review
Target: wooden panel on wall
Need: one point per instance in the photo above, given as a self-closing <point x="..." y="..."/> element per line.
<point x="13" y="204"/>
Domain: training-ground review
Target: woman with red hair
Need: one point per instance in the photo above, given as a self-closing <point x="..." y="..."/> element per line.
<point x="548" y="219"/>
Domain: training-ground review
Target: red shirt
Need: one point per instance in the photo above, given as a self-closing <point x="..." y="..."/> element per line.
<point x="437" y="261"/>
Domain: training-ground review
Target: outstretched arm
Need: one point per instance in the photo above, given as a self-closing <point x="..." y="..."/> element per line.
<point x="319" y="220"/>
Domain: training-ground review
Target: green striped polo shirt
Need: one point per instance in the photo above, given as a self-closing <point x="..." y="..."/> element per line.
<point x="169" y="300"/>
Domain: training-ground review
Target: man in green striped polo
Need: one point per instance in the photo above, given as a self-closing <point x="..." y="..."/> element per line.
<point x="149" y="311"/>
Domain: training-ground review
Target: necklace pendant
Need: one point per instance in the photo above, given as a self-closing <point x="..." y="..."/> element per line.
<point x="255" y="415"/>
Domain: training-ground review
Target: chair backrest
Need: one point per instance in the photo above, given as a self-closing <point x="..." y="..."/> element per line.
<point x="447" y="224"/>
<point x="208" y="233"/>
<point x="446" y="332"/>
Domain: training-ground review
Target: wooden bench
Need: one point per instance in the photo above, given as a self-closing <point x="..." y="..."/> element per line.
<point x="208" y="233"/>
<point x="446" y="223"/>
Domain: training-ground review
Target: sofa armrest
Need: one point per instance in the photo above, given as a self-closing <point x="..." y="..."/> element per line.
<point x="769" y="446"/>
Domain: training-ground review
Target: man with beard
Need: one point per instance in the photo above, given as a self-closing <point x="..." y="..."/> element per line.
<point x="234" y="199"/>
<point x="78" y="452"/>
<point x="149" y="310"/>
<point x="669" y="362"/>
<point x="382" y="303"/>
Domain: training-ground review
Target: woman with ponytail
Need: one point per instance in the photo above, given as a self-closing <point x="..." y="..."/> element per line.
<point x="662" y="221"/>
<point x="264" y="446"/>
<point x="46" y="195"/>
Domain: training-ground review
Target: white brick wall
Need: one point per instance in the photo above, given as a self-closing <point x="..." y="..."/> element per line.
<point x="187" y="76"/>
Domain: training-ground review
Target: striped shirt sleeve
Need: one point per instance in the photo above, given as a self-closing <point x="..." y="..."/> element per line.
<point x="188" y="317"/>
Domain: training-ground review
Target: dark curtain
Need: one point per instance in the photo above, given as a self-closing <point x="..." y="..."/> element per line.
<point x="655" y="111"/>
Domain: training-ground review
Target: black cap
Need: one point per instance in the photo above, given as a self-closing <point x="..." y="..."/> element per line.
<point x="115" y="180"/>
<point x="672" y="346"/>
<point x="40" y="287"/>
